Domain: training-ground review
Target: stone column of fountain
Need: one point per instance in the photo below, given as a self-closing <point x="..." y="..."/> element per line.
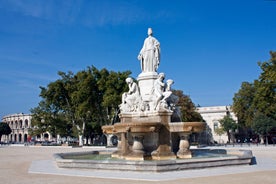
<point x="145" y="129"/>
<point x="184" y="146"/>
<point x="120" y="151"/>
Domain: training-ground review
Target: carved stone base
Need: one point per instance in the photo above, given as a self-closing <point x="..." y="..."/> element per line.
<point x="116" y="154"/>
<point x="135" y="156"/>
<point x="184" y="147"/>
<point x="163" y="153"/>
<point x="184" y="154"/>
<point x="137" y="152"/>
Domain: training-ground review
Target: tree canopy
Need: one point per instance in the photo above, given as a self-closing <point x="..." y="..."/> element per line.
<point x="228" y="124"/>
<point x="187" y="107"/>
<point x="263" y="124"/>
<point x="4" y="129"/>
<point x="74" y="100"/>
<point x="258" y="98"/>
<point x="242" y="103"/>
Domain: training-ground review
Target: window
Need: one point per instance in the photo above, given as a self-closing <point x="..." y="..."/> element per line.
<point x="26" y="123"/>
<point x="20" y="124"/>
<point x="216" y="125"/>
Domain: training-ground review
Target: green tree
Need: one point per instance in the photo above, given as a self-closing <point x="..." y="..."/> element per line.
<point x="219" y="131"/>
<point x="242" y="104"/>
<point x="4" y="129"/>
<point x="113" y="85"/>
<point x="44" y="119"/>
<point x="79" y="99"/>
<point x="265" y="96"/>
<point x="56" y="106"/>
<point x="229" y="125"/>
<point x="263" y="124"/>
<point x="259" y="97"/>
<point x="187" y="107"/>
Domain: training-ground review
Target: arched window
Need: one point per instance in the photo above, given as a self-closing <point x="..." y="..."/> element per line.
<point x="20" y="124"/>
<point x="26" y="123"/>
<point x="25" y="137"/>
<point x="20" y="138"/>
<point x="46" y="136"/>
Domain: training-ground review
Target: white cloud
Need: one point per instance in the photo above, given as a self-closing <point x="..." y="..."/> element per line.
<point x="88" y="13"/>
<point x="4" y="58"/>
<point x="60" y="11"/>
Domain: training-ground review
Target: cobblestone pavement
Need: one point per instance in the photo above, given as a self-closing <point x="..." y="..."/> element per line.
<point x="31" y="164"/>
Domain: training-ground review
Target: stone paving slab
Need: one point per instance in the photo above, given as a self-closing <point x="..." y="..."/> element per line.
<point x="50" y="167"/>
<point x="25" y="165"/>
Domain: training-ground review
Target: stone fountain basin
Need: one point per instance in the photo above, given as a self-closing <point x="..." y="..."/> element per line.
<point x="195" y="127"/>
<point x="132" y="127"/>
<point x="227" y="158"/>
<point x="138" y="127"/>
<point x="153" y="127"/>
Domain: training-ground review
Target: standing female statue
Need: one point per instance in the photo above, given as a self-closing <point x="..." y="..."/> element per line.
<point x="150" y="54"/>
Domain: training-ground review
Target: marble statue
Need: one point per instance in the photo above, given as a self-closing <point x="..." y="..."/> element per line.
<point x="167" y="93"/>
<point x="150" y="124"/>
<point x="158" y="89"/>
<point x="150" y="53"/>
<point x="151" y="93"/>
<point x="131" y="99"/>
<point x="170" y="99"/>
<point x="162" y="94"/>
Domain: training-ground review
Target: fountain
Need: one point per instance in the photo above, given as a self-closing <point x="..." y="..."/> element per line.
<point x="150" y="133"/>
<point x="148" y="129"/>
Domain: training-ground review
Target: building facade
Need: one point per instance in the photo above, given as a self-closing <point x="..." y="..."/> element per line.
<point x="21" y="126"/>
<point x="212" y="115"/>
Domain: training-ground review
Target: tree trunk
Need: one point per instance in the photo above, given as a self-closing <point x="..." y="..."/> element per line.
<point x="81" y="132"/>
<point x="228" y="135"/>
<point x="80" y="140"/>
<point x="262" y="140"/>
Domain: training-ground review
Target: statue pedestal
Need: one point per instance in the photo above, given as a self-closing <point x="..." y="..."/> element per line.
<point x="150" y="136"/>
<point x="162" y="117"/>
<point x="146" y="84"/>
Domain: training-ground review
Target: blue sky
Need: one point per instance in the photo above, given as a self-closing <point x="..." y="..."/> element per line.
<point x="208" y="47"/>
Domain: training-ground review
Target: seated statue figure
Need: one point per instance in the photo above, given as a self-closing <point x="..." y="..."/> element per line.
<point x="163" y="96"/>
<point x="130" y="99"/>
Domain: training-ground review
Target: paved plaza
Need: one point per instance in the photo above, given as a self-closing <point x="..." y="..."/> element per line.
<point x="31" y="164"/>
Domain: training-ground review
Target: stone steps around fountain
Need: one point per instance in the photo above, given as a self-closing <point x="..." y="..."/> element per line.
<point x="234" y="157"/>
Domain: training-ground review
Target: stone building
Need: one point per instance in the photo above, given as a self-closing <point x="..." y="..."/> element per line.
<point x="212" y="115"/>
<point x="21" y="127"/>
